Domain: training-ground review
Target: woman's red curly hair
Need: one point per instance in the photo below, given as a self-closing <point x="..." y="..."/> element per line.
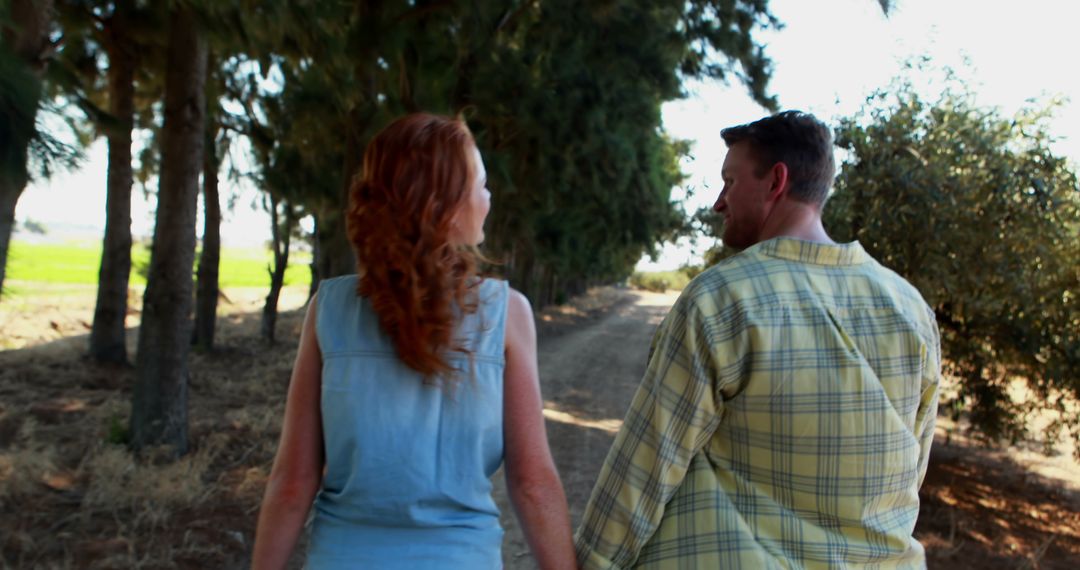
<point x="417" y="173"/>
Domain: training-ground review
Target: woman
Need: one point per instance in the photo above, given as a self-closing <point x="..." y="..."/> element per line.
<point x="414" y="380"/>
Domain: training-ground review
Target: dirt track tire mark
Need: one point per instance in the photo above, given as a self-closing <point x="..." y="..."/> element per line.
<point x="588" y="376"/>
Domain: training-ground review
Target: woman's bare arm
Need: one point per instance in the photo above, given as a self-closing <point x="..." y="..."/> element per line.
<point x="298" y="466"/>
<point x="531" y="478"/>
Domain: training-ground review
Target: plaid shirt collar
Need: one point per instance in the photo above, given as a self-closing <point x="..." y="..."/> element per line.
<point x="815" y="253"/>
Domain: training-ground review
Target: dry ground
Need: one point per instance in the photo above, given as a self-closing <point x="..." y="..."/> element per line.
<point x="71" y="497"/>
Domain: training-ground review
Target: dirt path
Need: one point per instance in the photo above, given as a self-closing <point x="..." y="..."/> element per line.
<point x="588" y="375"/>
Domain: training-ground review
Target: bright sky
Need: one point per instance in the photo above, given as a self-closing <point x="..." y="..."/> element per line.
<point x="831" y="54"/>
<point x="828" y="58"/>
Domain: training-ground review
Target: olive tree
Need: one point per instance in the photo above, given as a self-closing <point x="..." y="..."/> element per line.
<point x="977" y="211"/>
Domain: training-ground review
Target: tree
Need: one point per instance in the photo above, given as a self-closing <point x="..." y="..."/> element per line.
<point x="242" y="44"/>
<point x="566" y="114"/>
<point x="582" y="171"/>
<point x="108" y="334"/>
<point x="276" y="135"/>
<point x="24" y="55"/>
<point x="109" y="61"/>
<point x="283" y="218"/>
<point x="976" y="210"/>
<point x="207" y="289"/>
<point x="159" y="407"/>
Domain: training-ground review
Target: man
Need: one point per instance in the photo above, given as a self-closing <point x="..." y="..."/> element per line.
<point x="786" y="415"/>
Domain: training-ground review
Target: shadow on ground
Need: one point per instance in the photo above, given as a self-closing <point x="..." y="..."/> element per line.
<point x="988" y="512"/>
<point x="73" y="497"/>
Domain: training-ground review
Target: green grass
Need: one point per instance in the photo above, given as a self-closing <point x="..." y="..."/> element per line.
<point x="77" y="264"/>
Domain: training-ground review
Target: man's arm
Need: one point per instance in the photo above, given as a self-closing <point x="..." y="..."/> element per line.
<point x="673" y="414"/>
<point x="926" y="418"/>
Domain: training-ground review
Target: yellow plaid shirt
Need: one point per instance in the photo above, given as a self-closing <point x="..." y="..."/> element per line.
<point x="784" y="421"/>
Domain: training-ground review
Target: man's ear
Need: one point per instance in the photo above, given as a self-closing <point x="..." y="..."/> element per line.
<point x="779" y="186"/>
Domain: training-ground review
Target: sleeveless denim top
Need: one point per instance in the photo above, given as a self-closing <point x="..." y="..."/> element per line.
<point x="408" y="464"/>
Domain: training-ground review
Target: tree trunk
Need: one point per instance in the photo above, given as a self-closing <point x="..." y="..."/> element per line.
<point x="336" y="256"/>
<point x="333" y="253"/>
<point x="281" y="237"/>
<point x="11" y="188"/>
<point x="159" y="404"/>
<point x="27" y="38"/>
<point x="551" y="285"/>
<point x="523" y="277"/>
<point x="206" y="295"/>
<point x="314" y="286"/>
<point x="108" y="335"/>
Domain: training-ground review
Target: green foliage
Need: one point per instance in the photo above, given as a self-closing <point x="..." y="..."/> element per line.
<point x="718" y="253"/>
<point x="49" y="154"/>
<point x="564" y="98"/>
<point x="586" y="173"/>
<point x="977" y="212"/>
<point x="709" y="222"/>
<point x="660" y="281"/>
<point x="118" y="432"/>
<point x="719" y="37"/>
<point x="649" y="282"/>
<point x="20" y="92"/>
<point x="568" y="115"/>
<point x="692" y="271"/>
<point x="35" y="227"/>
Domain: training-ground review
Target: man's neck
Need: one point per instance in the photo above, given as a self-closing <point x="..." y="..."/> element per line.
<point x="796" y="220"/>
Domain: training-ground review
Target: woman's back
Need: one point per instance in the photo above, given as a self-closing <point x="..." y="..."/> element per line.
<point x="398" y="470"/>
<point x="408" y="464"/>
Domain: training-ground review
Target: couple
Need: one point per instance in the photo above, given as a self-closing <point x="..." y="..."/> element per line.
<point x="784" y="420"/>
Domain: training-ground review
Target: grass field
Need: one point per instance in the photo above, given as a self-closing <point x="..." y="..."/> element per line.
<point x="77" y="263"/>
<point x="50" y="289"/>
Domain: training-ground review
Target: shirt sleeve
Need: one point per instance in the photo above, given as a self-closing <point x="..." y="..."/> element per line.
<point x="673" y="414"/>
<point x="926" y="417"/>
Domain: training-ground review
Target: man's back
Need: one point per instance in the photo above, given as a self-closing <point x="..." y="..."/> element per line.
<point x="785" y="420"/>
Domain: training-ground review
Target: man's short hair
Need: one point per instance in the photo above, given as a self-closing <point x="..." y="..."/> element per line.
<point x="797" y="139"/>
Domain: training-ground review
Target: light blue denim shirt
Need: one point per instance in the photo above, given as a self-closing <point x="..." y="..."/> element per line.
<point x="408" y="464"/>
